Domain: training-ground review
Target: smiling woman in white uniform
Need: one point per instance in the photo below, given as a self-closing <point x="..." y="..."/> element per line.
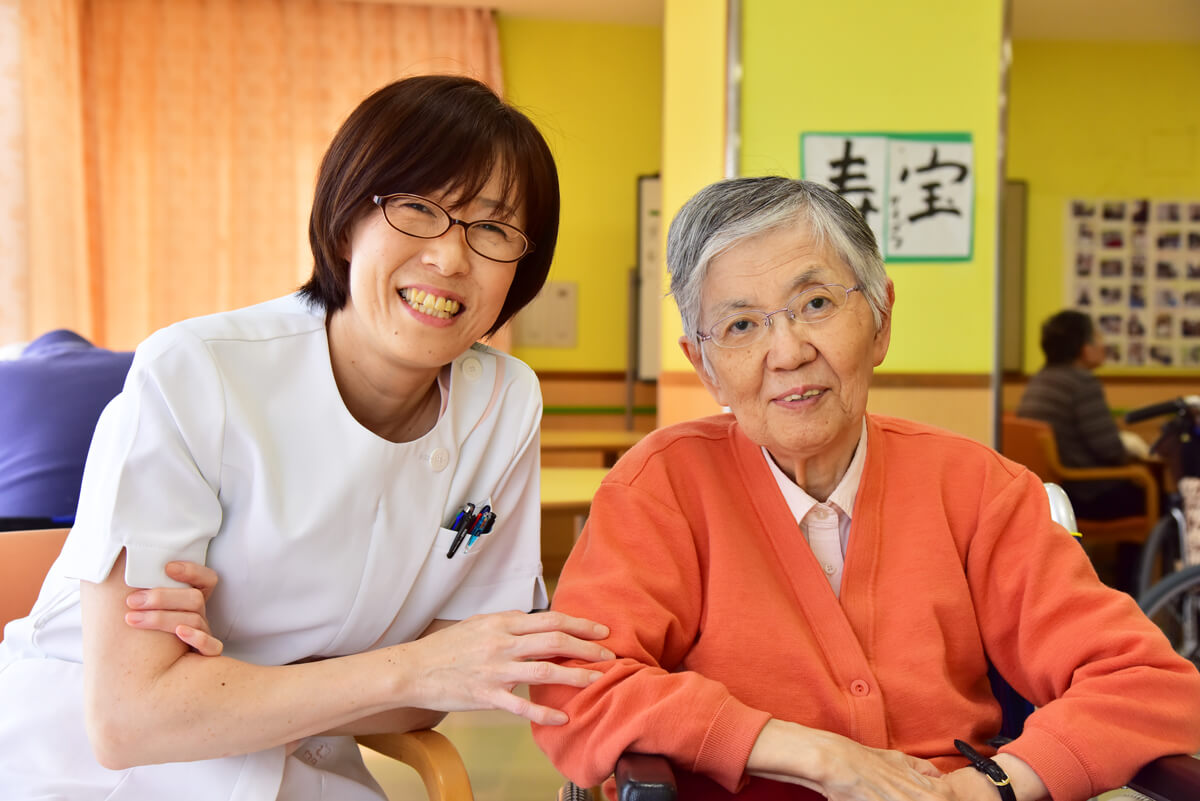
<point x="312" y="451"/>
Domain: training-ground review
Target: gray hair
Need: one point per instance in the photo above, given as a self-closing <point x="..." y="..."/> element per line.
<point x="725" y="213"/>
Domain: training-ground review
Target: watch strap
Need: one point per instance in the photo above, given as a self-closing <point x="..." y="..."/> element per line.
<point x="989" y="768"/>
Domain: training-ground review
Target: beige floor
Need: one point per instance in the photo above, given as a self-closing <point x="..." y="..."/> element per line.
<point x="500" y="755"/>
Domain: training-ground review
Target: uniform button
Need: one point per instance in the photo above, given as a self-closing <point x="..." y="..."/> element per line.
<point x="860" y="688"/>
<point x="472" y="368"/>
<point x="829" y="569"/>
<point x="439" y="459"/>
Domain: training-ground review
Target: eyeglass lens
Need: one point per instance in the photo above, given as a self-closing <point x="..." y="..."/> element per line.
<point x="811" y="306"/>
<point x="421" y="217"/>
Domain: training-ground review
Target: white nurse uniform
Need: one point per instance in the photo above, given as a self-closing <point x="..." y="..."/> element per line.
<point x="230" y="445"/>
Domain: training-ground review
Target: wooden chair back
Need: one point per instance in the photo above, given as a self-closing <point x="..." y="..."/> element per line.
<point x="25" y="558"/>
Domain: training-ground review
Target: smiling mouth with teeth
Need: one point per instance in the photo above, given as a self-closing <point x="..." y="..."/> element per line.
<point x="812" y="393"/>
<point x="431" y="304"/>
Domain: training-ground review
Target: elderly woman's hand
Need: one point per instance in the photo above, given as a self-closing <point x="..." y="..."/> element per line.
<point x="178" y="611"/>
<point x="843" y="770"/>
<point x="476" y="663"/>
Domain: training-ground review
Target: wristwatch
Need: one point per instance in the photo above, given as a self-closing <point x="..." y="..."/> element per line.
<point x="988" y="767"/>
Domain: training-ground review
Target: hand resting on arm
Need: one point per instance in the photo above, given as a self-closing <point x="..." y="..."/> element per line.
<point x="151" y="699"/>
<point x="843" y="770"/>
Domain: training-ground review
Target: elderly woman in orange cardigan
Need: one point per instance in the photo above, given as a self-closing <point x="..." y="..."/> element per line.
<point x="804" y="598"/>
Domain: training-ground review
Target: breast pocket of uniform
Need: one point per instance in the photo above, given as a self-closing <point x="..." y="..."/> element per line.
<point x="472" y="536"/>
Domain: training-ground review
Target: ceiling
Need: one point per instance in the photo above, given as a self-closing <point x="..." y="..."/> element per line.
<point x="1089" y="20"/>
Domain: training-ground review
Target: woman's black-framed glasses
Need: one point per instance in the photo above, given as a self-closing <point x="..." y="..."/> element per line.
<point x="810" y="306"/>
<point x="421" y="217"/>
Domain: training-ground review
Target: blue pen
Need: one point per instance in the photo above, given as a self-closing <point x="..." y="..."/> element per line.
<point x="477" y="524"/>
<point x="481" y="528"/>
<point x="462" y="522"/>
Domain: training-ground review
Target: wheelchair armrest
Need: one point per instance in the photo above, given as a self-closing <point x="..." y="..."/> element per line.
<point x="1170" y="778"/>
<point x="644" y="777"/>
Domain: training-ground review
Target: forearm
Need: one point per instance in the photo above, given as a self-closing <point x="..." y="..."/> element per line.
<point x="208" y="707"/>
<point x="150" y="699"/>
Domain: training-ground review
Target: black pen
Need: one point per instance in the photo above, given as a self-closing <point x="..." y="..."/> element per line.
<point x="468" y="529"/>
<point x="462" y="522"/>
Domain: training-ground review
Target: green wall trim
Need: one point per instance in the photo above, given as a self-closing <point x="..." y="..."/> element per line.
<point x="597" y="410"/>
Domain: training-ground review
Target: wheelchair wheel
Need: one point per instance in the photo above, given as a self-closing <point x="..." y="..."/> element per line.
<point x="1160" y="552"/>
<point x="1174" y="606"/>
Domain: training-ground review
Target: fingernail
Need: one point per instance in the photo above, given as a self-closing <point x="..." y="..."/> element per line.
<point x="609" y="654"/>
<point x="600" y="629"/>
<point x="559" y="719"/>
<point x="136" y="600"/>
<point x="594" y="675"/>
<point x="134" y="617"/>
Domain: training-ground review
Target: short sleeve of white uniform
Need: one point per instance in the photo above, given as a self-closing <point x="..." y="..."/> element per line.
<point x="507" y="574"/>
<point x="151" y="481"/>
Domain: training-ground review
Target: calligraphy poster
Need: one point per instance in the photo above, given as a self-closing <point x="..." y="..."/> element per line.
<point x="1133" y="264"/>
<point x="915" y="190"/>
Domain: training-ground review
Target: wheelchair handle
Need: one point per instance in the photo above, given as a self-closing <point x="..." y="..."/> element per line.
<point x="1174" y="406"/>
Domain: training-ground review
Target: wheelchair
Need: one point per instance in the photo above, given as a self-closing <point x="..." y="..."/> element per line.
<point x="649" y="777"/>
<point x="1169" y="569"/>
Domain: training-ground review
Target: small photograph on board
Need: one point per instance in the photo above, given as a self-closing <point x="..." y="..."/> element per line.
<point x="1110" y="324"/>
<point x="1194" y="212"/>
<point x="1141" y="211"/>
<point x="1112" y="353"/>
<point x="1137" y="296"/>
<point x="1190" y="327"/>
<point x="1165" y="270"/>
<point x="1112" y="268"/>
<point x="1113" y="210"/>
<point x="1112" y="238"/>
<point x="1191" y="355"/>
<point x="1191" y="299"/>
<point x="1166" y="298"/>
<point x="1162" y="355"/>
<point x="1136" y="355"/>
<point x="1139" y="240"/>
<point x="1112" y="295"/>
<point x="1083" y="295"/>
<point x="1137" y="267"/>
<point x="1193" y="269"/>
<point x="1135" y="327"/>
<point x="1168" y="212"/>
<point x="1164" y="325"/>
<point x="1169" y="240"/>
<point x="1193" y="240"/>
<point x="1083" y="264"/>
<point x="1085" y="236"/>
<point x="1083" y="208"/>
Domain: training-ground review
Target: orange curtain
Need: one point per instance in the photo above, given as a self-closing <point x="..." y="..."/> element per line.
<point x="173" y="144"/>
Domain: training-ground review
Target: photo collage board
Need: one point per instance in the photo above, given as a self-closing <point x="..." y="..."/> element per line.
<point x="1134" y="266"/>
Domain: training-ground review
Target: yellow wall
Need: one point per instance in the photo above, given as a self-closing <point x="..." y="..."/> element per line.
<point x="919" y="66"/>
<point x="693" y="140"/>
<point x="595" y="91"/>
<point x="1096" y="119"/>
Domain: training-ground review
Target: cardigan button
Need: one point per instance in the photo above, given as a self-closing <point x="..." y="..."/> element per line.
<point x="860" y="688"/>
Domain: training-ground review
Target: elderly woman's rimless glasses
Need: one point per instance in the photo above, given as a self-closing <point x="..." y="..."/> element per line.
<point x="421" y="217"/>
<point x="810" y="306"/>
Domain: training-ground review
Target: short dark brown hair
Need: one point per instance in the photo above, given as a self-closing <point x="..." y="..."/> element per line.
<point x="1064" y="335"/>
<point x="421" y="135"/>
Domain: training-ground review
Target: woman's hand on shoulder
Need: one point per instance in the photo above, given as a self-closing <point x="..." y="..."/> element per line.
<point x="843" y="770"/>
<point x="178" y="611"/>
<point x="477" y="663"/>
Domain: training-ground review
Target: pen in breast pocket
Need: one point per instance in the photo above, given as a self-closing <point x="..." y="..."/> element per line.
<point x="481" y="527"/>
<point x="462" y="521"/>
